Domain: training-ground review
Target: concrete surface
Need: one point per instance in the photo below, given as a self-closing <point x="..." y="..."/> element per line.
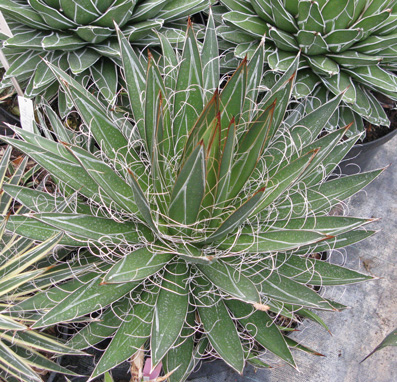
<point x="373" y="314"/>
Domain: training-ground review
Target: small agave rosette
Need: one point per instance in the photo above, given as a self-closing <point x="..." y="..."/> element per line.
<point x="346" y="46"/>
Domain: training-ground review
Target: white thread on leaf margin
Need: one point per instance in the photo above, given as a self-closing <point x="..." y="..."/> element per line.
<point x="27" y="113"/>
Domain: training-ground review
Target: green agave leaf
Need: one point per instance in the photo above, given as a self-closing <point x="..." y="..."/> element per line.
<point x="225" y="172"/>
<point x="339" y="83"/>
<point x="283" y="180"/>
<point x="370" y="23"/>
<point x="374" y="77"/>
<point x="105" y="77"/>
<point x="210" y="59"/>
<point x="342" y="39"/>
<point x="282" y="18"/>
<point x="338" y="14"/>
<point x="330" y="225"/>
<point x="36" y="230"/>
<point x="295" y="345"/>
<point x="232" y="99"/>
<point x="106" y="325"/>
<point x="170" y="310"/>
<point x="88" y="298"/>
<point x="203" y="127"/>
<point x="102" y="126"/>
<point x="15" y="365"/>
<point x="264" y="9"/>
<point x="26" y="63"/>
<point x="283" y="289"/>
<point x="7" y="285"/>
<point x="309" y="127"/>
<point x="376" y="6"/>
<point x="38" y="361"/>
<point x="62" y="41"/>
<point x="309" y="16"/>
<point x="18" y="264"/>
<point x="141" y="201"/>
<point x="312" y="316"/>
<point x="33" y="339"/>
<point x="169" y="61"/>
<point x="235" y="5"/>
<point x="230" y="280"/>
<point x="95" y="228"/>
<point x="130" y="336"/>
<point x="338" y="241"/>
<point x="312" y="43"/>
<point x="147" y="10"/>
<point x="176" y="9"/>
<point x="24" y="14"/>
<point x="155" y="88"/>
<point x="316" y="272"/>
<point x="137" y="265"/>
<point x="235" y="219"/>
<point x="323" y="65"/>
<point x="188" y="190"/>
<point x="81" y="59"/>
<point x="5" y="200"/>
<point x="352" y="59"/>
<point x="7" y="323"/>
<point x="250" y="149"/>
<point x="250" y="24"/>
<point x="219" y="326"/>
<point x="50" y="298"/>
<point x="390" y="340"/>
<point x="188" y="99"/>
<point x="283" y="40"/>
<point x="262" y="328"/>
<point x="135" y="79"/>
<point x="69" y="172"/>
<point x="180" y="359"/>
<point x="106" y="178"/>
<point x="254" y="77"/>
<point x="280" y="60"/>
<point x="375" y="44"/>
<point x="260" y="242"/>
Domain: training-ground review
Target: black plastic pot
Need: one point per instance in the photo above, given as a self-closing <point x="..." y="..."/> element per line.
<point x="6" y="117"/>
<point x="360" y="156"/>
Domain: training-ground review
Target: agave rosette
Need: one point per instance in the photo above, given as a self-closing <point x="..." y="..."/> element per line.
<point x="26" y="268"/>
<point x="344" y="44"/>
<point x="201" y="215"/>
<point x="80" y="36"/>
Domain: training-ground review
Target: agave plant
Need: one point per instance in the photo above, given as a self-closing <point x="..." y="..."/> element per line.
<point x="201" y="216"/>
<point x="25" y="269"/>
<point x="345" y="45"/>
<point x="80" y="36"/>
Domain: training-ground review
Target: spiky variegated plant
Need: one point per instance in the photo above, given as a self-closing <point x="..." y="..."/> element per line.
<point x="201" y="216"/>
<point x="347" y="44"/>
<point x="24" y="271"/>
<point x="80" y="36"/>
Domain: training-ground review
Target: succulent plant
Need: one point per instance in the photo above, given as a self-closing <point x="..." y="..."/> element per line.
<point x="80" y="36"/>
<point x="344" y="44"/>
<point x="202" y="216"/>
<point x="25" y="270"/>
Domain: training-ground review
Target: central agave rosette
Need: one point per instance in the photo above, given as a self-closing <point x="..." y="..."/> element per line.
<point x="200" y="216"/>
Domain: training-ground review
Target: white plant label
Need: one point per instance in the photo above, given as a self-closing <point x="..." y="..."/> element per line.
<point x="27" y="113"/>
<point x="4" y="28"/>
